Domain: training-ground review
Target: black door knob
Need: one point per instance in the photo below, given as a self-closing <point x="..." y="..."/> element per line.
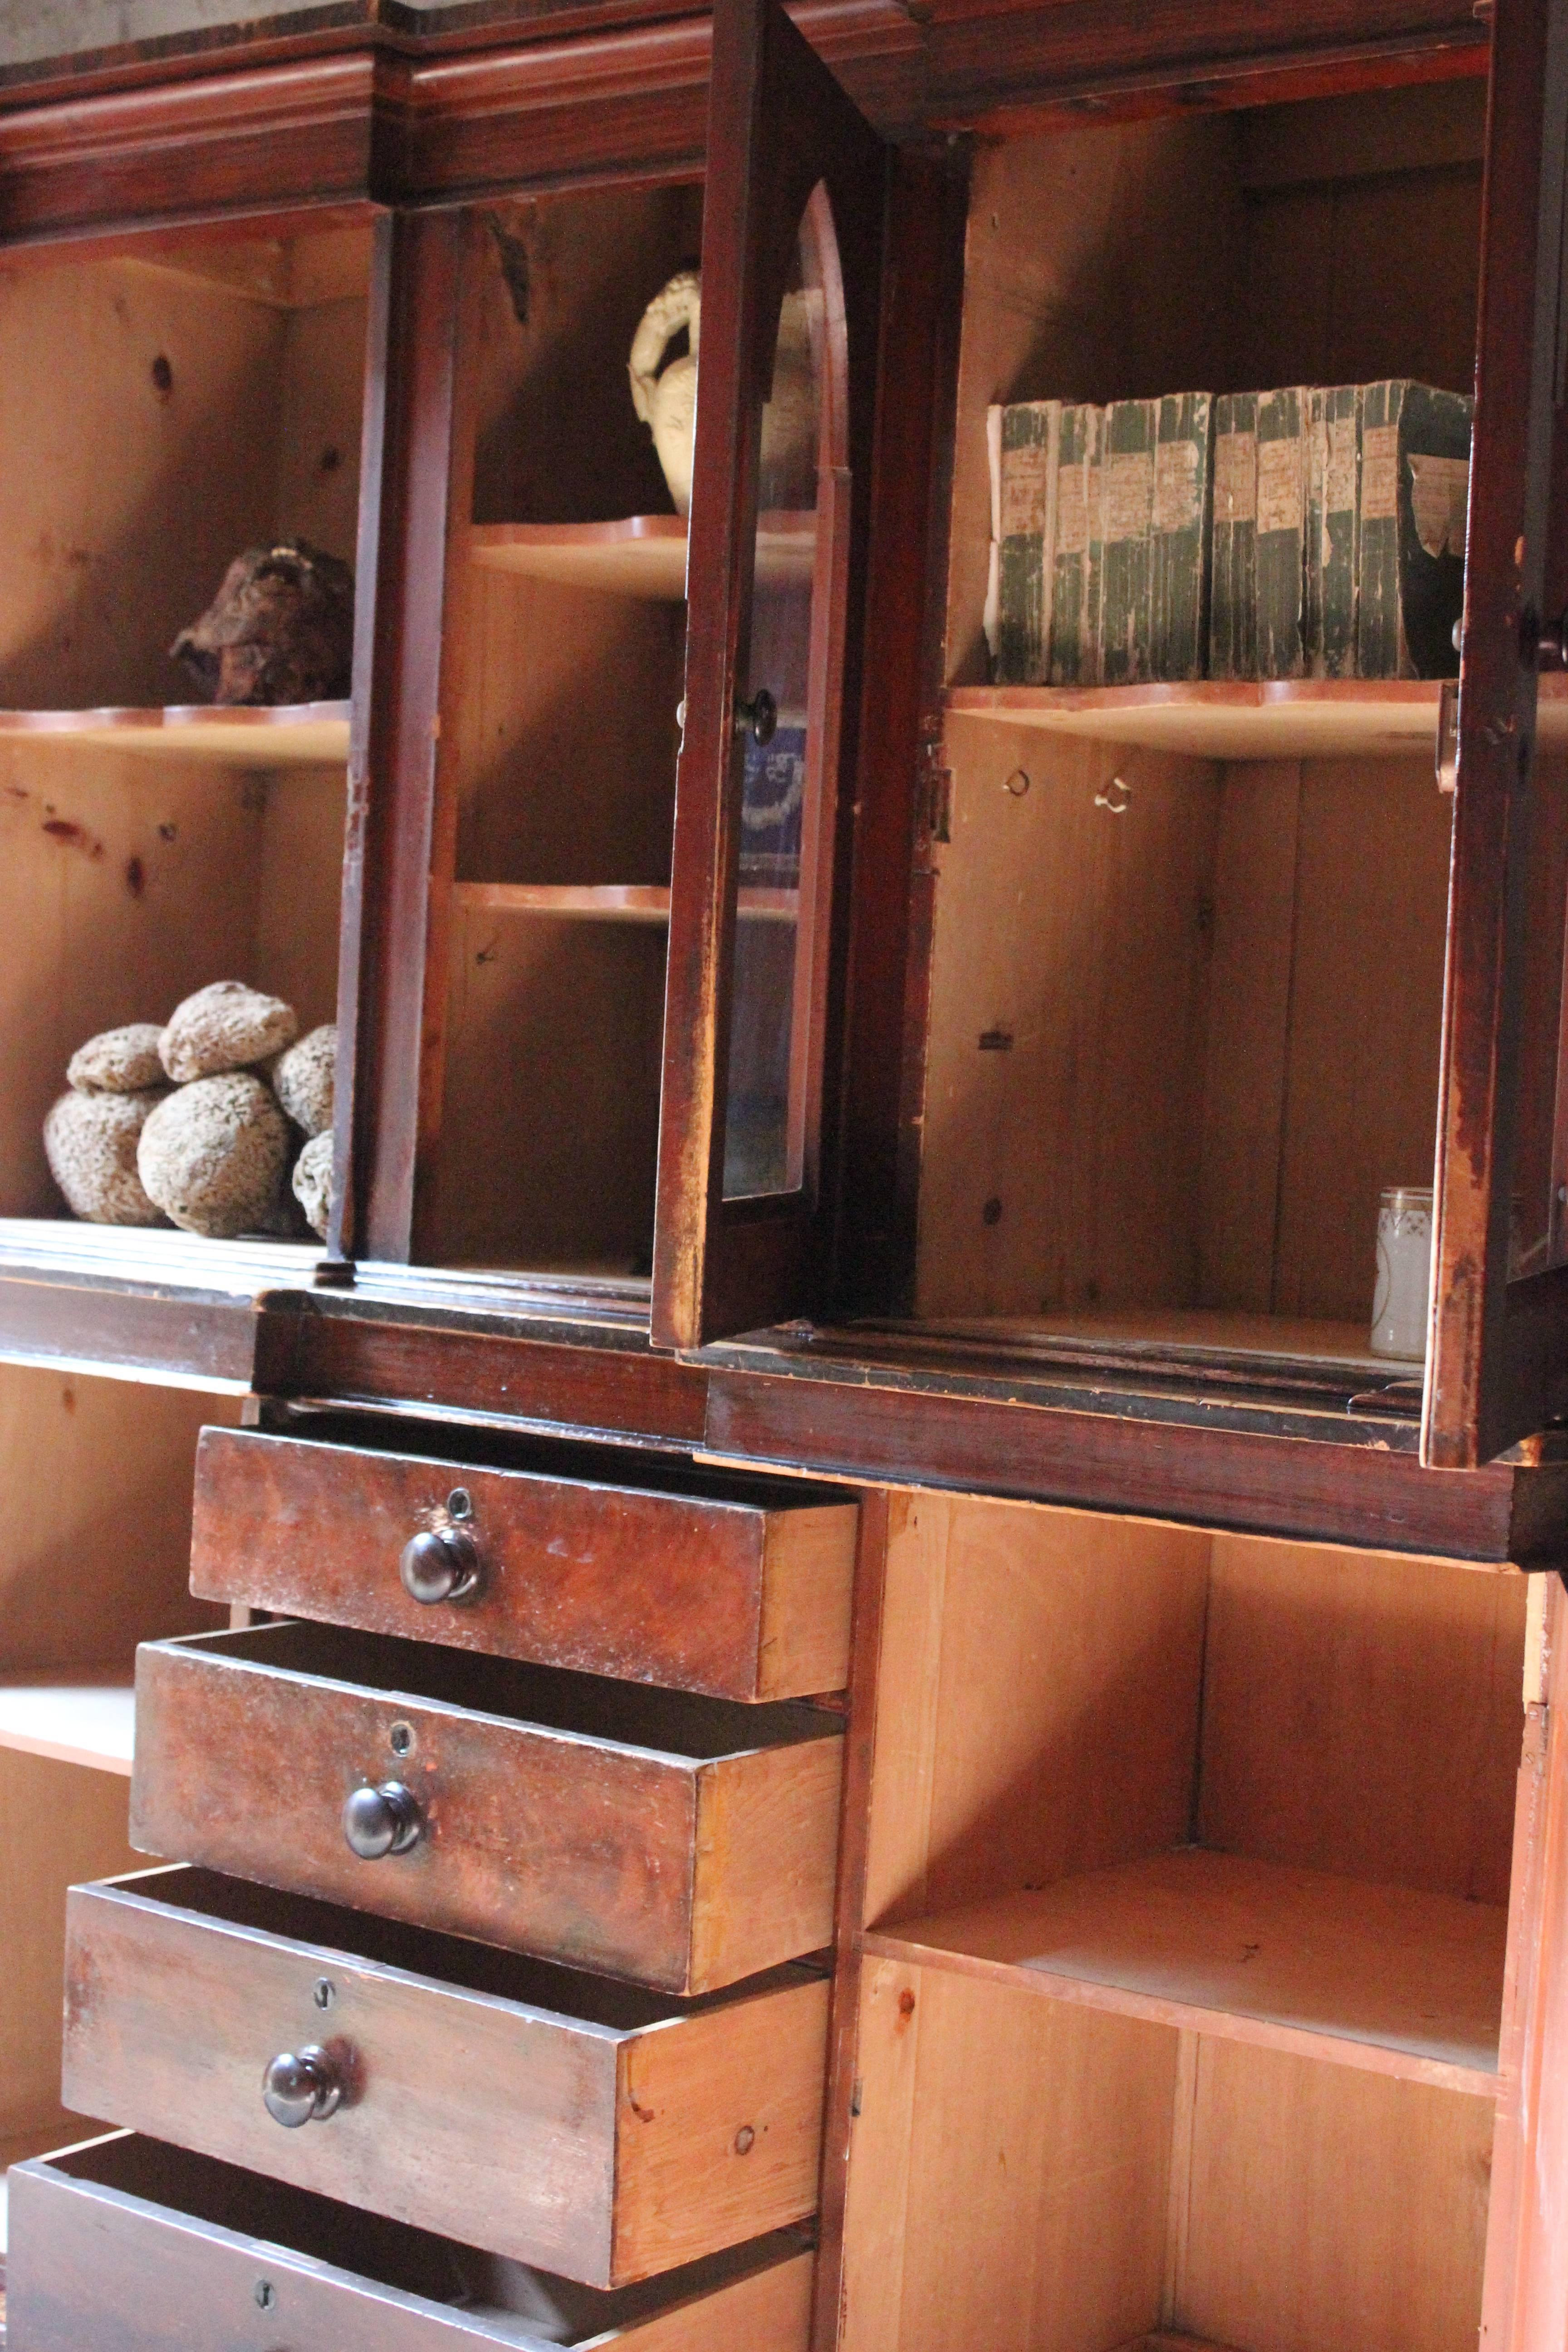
<point x="760" y="716"/>
<point x="378" y="1821"/>
<point x="301" y="2086"/>
<point x="440" y="1564"/>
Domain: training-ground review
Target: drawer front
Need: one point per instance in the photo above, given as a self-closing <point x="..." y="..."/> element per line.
<point x="125" y="2245"/>
<point x="607" y="2140"/>
<point x="745" y="1599"/>
<point x="602" y="1850"/>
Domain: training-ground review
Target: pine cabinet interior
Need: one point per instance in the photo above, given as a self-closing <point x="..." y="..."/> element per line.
<point x="180" y="400"/>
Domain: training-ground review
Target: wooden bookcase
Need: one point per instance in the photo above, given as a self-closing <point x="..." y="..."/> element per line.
<point x="1197" y="1963"/>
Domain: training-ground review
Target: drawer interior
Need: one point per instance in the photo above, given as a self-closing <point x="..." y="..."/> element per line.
<point x="449" y="1960"/>
<point x="631" y="1715"/>
<point x="382" y="1432"/>
<point x="523" y="2307"/>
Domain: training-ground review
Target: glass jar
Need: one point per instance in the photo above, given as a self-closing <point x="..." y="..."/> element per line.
<point x="1404" y="1273"/>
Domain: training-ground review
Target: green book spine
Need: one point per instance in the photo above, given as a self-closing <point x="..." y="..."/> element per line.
<point x="1232" y="594"/>
<point x="1313" y="427"/>
<point x="1026" y="576"/>
<point x="1415" y="487"/>
<point x="1336" y="532"/>
<point x="1179" y="551"/>
<point x="1127" y="504"/>
<point x="1282" y="470"/>
<point x="1076" y="549"/>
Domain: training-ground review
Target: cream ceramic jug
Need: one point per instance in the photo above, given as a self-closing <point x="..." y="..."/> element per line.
<point x="667" y="401"/>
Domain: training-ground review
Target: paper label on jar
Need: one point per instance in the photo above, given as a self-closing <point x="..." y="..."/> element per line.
<point x="1129" y="494"/>
<point x="1026" y="473"/>
<point x="1339" y="476"/>
<point x="1236" y="478"/>
<point x="1280" y="486"/>
<point x="1175" y="486"/>
<point x="1380" y="473"/>
<point x="1439" y="494"/>
<point x="1072" y="510"/>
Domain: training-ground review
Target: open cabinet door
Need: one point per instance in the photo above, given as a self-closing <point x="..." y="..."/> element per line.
<point x="1498" y="1363"/>
<point x="792" y="243"/>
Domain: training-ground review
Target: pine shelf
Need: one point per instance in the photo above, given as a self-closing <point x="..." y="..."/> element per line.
<point x="72" y="1723"/>
<point x="608" y="902"/>
<point x="1387" y="1978"/>
<point x="636" y="555"/>
<point x="288" y="735"/>
<point x="1271" y="719"/>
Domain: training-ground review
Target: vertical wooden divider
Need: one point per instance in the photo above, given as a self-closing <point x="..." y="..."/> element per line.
<point x="398" y="855"/>
<point x="849" y="1912"/>
<point x="1525" y="2307"/>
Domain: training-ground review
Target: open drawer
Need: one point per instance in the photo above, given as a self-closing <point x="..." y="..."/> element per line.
<point x="127" y="2246"/>
<point x="683" y="1842"/>
<point x="735" y="1587"/>
<point x="588" y="2126"/>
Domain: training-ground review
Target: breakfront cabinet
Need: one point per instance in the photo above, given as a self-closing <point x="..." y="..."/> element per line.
<point x="806" y="1690"/>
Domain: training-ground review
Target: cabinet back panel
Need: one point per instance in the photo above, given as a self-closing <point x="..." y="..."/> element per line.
<point x="129" y="499"/>
<point x="1068" y="1018"/>
<point x="569" y="735"/>
<point x="95" y="1479"/>
<point x="1009" y="2164"/>
<point x="1364" y="1023"/>
<point x="1175" y="1054"/>
<point x="557" y="438"/>
<point x="1326" y="2208"/>
<point x="1043" y="1668"/>
<point x="125" y="883"/>
<point x="551" y="1121"/>
<point x="1362" y="1715"/>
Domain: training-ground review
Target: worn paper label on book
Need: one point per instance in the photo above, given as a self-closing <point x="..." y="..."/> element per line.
<point x="1439" y="494"/>
<point x="1026" y="474"/>
<point x="1380" y="473"/>
<point x="1177" y="486"/>
<point x="1339" y="475"/>
<point x="1129" y="494"/>
<point x="1072" y="510"/>
<point x="1236" y="478"/>
<point x="1280" y="486"/>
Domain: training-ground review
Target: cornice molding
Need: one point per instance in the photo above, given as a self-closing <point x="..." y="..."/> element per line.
<point x="378" y="124"/>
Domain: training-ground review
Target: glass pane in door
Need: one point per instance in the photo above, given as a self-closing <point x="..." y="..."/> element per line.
<point x="786" y="720"/>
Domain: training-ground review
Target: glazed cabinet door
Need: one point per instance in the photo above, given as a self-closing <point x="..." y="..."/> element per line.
<point x="794" y="209"/>
<point x="1499" y="1359"/>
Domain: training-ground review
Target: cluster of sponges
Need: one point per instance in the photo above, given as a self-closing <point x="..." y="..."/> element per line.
<point x="197" y="1121"/>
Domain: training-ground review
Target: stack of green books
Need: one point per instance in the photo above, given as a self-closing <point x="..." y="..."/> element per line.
<point x="1303" y="532"/>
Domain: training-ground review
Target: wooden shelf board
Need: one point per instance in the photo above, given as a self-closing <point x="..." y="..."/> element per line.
<point x="74" y="1723"/>
<point x="1271" y="719"/>
<point x="302" y="734"/>
<point x="609" y="902"/>
<point x="1198" y="1332"/>
<point x="636" y="555"/>
<point x="1387" y="1978"/>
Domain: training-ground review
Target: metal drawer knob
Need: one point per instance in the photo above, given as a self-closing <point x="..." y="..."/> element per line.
<point x="378" y="1821"/>
<point x="440" y="1564"/>
<point x="301" y="2086"/>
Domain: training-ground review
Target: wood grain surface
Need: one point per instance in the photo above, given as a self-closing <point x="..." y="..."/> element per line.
<point x="590" y="2130"/>
<point x="679" y="1841"/>
<point x="134" y="2246"/>
<point x="699" y="1592"/>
